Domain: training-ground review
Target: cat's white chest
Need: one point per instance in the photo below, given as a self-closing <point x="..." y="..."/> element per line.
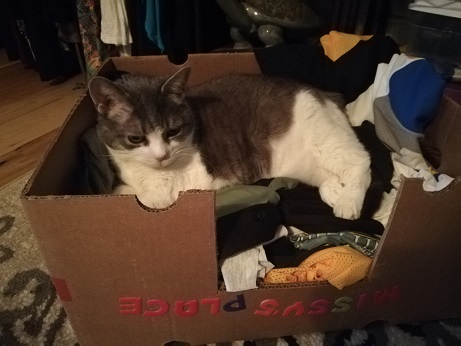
<point x="159" y="188"/>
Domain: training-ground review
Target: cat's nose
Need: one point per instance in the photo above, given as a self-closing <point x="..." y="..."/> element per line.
<point x="163" y="157"/>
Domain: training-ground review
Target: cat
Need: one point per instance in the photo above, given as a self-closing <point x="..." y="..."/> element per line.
<point x="165" y="138"/>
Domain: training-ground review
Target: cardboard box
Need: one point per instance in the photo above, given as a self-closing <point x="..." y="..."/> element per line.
<point x="127" y="275"/>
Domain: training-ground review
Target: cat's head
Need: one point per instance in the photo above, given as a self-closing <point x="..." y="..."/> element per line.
<point x="144" y="118"/>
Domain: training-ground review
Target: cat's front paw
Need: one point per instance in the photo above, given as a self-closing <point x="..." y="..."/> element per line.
<point x="154" y="202"/>
<point x="347" y="207"/>
<point x="123" y="189"/>
<point x="330" y="191"/>
<point x="348" y="211"/>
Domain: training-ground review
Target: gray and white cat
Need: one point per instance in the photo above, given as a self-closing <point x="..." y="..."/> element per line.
<point x="164" y="138"/>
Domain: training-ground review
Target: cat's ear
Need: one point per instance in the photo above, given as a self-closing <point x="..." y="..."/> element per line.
<point x="109" y="99"/>
<point x="175" y="86"/>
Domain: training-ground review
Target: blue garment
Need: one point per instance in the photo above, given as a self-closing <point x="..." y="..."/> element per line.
<point x="414" y="93"/>
<point x="153" y="24"/>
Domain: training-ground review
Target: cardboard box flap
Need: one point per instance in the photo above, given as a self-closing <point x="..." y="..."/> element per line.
<point x="203" y="66"/>
<point x="59" y="172"/>
<point x="138" y="239"/>
<point x="444" y="135"/>
<point x="423" y="235"/>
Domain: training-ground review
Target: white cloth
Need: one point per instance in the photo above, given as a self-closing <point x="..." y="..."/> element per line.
<point x="413" y="165"/>
<point x="241" y="271"/>
<point x="114" y="23"/>
<point x="410" y="165"/>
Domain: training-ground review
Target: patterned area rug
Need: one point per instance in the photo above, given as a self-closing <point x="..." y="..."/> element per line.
<point x="31" y="314"/>
<point x="30" y="311"/>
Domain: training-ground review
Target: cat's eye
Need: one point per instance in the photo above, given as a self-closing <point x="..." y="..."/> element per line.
<point x="136" y="139"/>
<point x="173" y="132"/>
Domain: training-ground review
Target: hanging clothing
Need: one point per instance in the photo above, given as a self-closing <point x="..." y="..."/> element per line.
<point x="53" y="59"/>
<point x="115" y="28"/>
<point x="94" y="50"/>
<point x="153" y="24"/>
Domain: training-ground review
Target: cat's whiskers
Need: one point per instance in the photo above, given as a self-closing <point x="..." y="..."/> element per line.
<point x="189" y="152"/>
<point x="122" y="154"/>
<point x="128" y="157"/>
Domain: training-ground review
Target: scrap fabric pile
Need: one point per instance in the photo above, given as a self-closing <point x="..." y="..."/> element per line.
<point x="281" y="231"/>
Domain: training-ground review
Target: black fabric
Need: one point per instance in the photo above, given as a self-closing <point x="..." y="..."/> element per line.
<point x="353" y="16"/>
<point x="98" y="174"/>
<point x="381" y="161"/>
<point x="193" y="27"/>
<point x="303" y="208"/>
<point x="382" y="168"/>
<point x="60" y="11"/>
<point x="7" y="30"/>
<point x="300" y="200"/>
<point x="324" y="223"/>
<point x="282" y="254"/>
<point x="52" y="59"/>
<point x="350" y="75"/>
<point x="245" y="229"/>
<point x="15" y="43"/>
<point x="136" y="11"/>
<point x="178" y="36"/>
<point x="431" y="152"/>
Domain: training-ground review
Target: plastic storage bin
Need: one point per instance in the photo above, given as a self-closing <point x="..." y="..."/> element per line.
<point x="434" y="36"/>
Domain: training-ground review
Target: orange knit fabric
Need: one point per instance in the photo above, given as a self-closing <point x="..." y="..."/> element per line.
<point x="335" y="44"/>
<point x="340" y="266"/>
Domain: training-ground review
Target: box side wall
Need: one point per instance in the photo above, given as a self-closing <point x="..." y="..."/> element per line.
<point x="203" y="66"/>
<point x="104" y="248"/>
<point x="60" y="171"/>
<point x="444" y="135"/>
<point x="421" y="249"/>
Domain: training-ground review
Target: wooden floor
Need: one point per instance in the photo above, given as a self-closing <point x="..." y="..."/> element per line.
<point x="31" y="111"/>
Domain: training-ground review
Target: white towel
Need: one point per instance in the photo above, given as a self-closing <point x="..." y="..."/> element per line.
<point x="115" y="28"/>
<point x="241" y="271"/>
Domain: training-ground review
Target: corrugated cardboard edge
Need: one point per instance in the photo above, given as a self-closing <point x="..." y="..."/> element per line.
<point x="31" y="180"/>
